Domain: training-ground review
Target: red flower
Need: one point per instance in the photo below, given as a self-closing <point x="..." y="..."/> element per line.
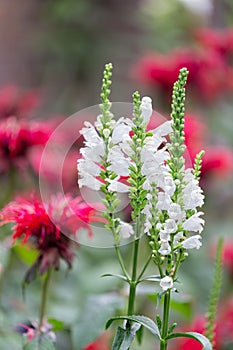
<point x="17" y="137"/>
<point x="198" y="326"/>
<point x="218" y="160"/>
<point x="220" y="41"/>
<point x="43" y="226"/>
<point x="227" y="255"/>
<point x="14" y="103"/>
<point x="207" y="71"/>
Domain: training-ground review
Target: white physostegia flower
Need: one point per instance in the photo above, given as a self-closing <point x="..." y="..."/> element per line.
<point x="166" y="283"/>
<point x="194" y="223"/>
<point x="121" y="130"/>
<point x="178" y="237"/>
<point x="90" y="182"/>
<point x="164" y="201"/>
<point x="116" y="186"/>
<point x="146" y="108"/>
<point x="165" y="248"/>
<point x="119" y="163"/>
<point x="192" y="242"/>
<point x="175" y="212"/>
<point x="126" y="230"/>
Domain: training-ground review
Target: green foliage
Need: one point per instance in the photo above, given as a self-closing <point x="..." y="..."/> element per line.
<point x="142" y="320"/>
<point x="193" y="335"/>
<point x="177" y="138"/>
<point x="94" y="313"/>
<point x="123" y="339"/>
<point x="43" y="342"/>
<point x="197" y="165"/>
<point x="214" y="295"/>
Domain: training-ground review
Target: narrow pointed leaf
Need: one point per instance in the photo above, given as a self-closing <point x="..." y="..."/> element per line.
<point x="142" y="320"/>
<point x="152" y="278"/>
<point x="194" y="335"/>
<point x="115" y="275"/>
<point x="123" y="339"/>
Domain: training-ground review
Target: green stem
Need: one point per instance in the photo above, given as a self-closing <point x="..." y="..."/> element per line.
<point x="166" y="308"/>
<point x="144" y="268"/>
<point x="121" y="262"/>
<point x="133" y="281"/>
<point x="44" y="298"/>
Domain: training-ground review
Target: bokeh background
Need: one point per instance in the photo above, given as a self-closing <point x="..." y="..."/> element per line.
<point x="52" y="55"/>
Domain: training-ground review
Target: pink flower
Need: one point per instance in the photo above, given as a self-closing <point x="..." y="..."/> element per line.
<point x="18" y="137"/>
<point x="43" y="226"/>
<point x="218" y="160"/>
<point x="207" y="71"/>
<point x="14" y="103"/>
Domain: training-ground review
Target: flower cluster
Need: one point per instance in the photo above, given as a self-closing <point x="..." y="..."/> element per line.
<point x="17" y="138"/>
<point x="43" y="225"/>
<point x="165" y="196"/>
<point x="209" y="64"/>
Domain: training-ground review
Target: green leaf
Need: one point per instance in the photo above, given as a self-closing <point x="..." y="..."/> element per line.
<point x="139" y="335"/>
<point x="152" y="278"/>
<point x="57" y="325"/>
<point x="115" y="275"/>
<point x="123" y="339"/>
<point x="193" y="335"/>
<point x="25" y="253"/>
<point x="142" y="320"/>
<point x="93" y="315"/>
<point x="40" y="343"/>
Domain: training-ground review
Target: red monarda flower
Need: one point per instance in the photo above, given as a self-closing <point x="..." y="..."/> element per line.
<point x="17" y="137"/>
<point x="207" y="71"/>
<point x="12" y="102"/>
<point x="218" y="160"/>
<point x="43" y="226"/>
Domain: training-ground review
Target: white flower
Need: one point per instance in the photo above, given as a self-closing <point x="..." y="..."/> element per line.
<point x="85" y="166"/>
<point x="170" y="226"/>
<point x="165" y="248"/>
<point x="192" y="242"/>
<point x="89" y="181"/>
<point x="126" y="230"/>
<point x="166" y="182"/>
<point x="116" y="186"/>
<point x="175" y="212"/>
<point x="146" y="108"/>
<point x="93" y="152"/>
<point x="90" y="134"/>
<point x="164" y="201"/>
<point x="119" y="164"/>
<point x="178" y="237"/>
<point x="121" y="130"/>
<point x="163" y="129"/>
<point x="164" y="236"/>
<point x="166" y="283"/>
<point x="193" y="199"/>
<point x="194" y="223"/>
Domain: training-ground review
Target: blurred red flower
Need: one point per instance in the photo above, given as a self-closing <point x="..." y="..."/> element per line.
<point x="218" y="160"/>
<point x="14" y="103"/>
<point x="17" y="137"/>
<point x="198" y="325"/>
<point x="43" y="226"/>
<point x="207" y="71"/>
